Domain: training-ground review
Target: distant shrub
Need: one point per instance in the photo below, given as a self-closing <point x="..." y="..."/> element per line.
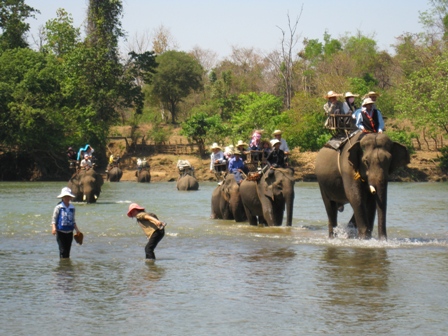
<point x="444" y="159"/>
<point x="402" y="137"/>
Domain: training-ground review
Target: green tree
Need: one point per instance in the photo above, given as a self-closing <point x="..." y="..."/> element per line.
<point x="177" y="74"/>
<point x="255" y="111"/>
<point x="422" y="98"/>
<point x="60" y="35"/>
<point x="303" y="125"/>
<point x="13" y="27"/>
<point x="202" y="128"/>
<point x="33" y="125"/>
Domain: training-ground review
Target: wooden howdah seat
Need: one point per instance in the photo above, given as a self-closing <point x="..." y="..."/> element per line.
<point x="220" y="170"/>
<point x="255" y="159"/>
<point x="340" y="123"/>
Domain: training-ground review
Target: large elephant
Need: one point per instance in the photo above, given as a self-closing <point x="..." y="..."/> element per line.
<point x="86" y="185"/>
<point x="187" y="182"/>
<point x="358" y="174"/>
<point x="143" y="176"/>
<point x="268" y="196"/>
<point x="114" y="174"/>
<point x="226" y="201"/>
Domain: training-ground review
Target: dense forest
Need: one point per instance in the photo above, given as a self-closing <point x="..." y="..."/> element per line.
<point x="76" y="85"/>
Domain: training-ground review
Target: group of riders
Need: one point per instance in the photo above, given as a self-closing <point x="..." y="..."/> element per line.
<point x="244" y="159"/>
<point x="343" y="117"/>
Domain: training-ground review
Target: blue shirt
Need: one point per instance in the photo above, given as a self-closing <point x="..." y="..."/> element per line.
<point x="235" y="164"/>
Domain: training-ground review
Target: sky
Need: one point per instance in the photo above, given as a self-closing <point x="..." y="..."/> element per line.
<point x="219" y="25"/>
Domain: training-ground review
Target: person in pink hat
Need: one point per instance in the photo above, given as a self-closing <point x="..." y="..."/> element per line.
<point x="152" y="227"/>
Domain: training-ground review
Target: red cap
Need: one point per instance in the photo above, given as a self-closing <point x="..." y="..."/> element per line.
<point x="134" y="206"/>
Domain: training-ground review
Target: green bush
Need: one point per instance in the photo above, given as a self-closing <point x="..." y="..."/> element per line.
<point x="444" y="159"/>
<point x="402" y="137"/>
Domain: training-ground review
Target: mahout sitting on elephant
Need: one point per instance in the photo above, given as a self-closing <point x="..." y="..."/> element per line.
<point x="114" y="174"/>
<point x="266" y="194"/>
<point x="86" y="185"/>
<point x="186" y="180"/>
<point x="143" y="171"/>
<point x="358" y="174"/>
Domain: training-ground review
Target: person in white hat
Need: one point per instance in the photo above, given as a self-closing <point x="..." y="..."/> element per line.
<point x="349" y="104"/>
<point x="86" y="163"/>
<point x="277" y="134"/>
<point x="369" y="120"/>
<point x="217" y="158"/>
<point x="276" y="157"/>
<point x="63" y="222"/>
<point x="333" y="105"/>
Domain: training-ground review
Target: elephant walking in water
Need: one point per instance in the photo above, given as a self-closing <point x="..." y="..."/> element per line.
<point x="86" y="185"/>
<point x="143" y="175"/>
<point x="114" y="174"/>
<point x="187" y="180"/>
<point x="358" y="174"/>
<point x="226" y="201"/>
<point x="267" y="197"/>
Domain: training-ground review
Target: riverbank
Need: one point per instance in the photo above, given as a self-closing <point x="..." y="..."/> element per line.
<point x="423" y="167"/>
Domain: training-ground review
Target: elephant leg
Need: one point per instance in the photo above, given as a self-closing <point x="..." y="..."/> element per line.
<point x="251" y="218"/>
<point x="332" y="214"/>
<point x="352" y="222"/>
<point x="262" y="221"/>
<point x="278" y="209"/>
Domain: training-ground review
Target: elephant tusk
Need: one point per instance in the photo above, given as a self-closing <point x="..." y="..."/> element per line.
<point x="84" y="198"/>
<point x="372" y="190"/>
<point x="96" y="197"/>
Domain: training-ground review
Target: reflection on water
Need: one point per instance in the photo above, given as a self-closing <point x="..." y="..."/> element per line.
<point x="221" y="277"/>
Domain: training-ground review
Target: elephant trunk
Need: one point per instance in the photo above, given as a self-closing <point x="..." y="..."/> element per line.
<point x="381" y="206"/>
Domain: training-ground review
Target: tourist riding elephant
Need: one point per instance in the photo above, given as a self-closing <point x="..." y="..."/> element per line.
<point x="114" y="174"/>
<point x="86" y="185"/>
<point x="267" y="197"/>
<point x="358" y="174"/>
<point x="187" y="182"/>
<point x="143" y="176"/>
<point x="226" y="201"/>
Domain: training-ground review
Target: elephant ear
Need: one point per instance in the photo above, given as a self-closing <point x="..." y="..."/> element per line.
<point x="400" y="157"/>
<point x="354" y="155"/>
<point x="265" y="184"/>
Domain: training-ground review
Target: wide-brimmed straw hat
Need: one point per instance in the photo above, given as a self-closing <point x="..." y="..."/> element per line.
<point x="241" y="143"/>
<point x="373" y="93"/>
<point x="66" y="191"/>
<point x="349" y="94"/>
<point x="367" y="101"/>
<point x="331" y="94"/>
<point x="215" y="146"/>
<point x="277" y="132"/>
<point x="274" y="142"/>
<point x="134" y="206"/>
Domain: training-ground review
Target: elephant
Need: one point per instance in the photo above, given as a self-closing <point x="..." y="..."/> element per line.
<point x="267" y="197"/>
<point x="86" y="185"/>
<point x="114" y="174"/>
<point x="143" y="175"/>
<point x="226" y="201"/>
<point x="358" y="174"/>
<point x="187" y="182"/>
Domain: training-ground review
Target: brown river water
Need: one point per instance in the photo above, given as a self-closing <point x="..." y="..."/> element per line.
<point x="215" y="277"/>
